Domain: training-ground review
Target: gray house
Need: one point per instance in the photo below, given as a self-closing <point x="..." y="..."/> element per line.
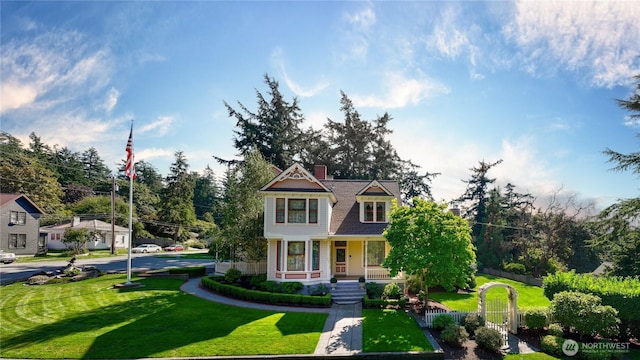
<point x="20" y="225"/>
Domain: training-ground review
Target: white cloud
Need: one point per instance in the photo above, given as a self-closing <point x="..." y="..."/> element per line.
<point x="15" y="95"/>
<point x="599" y="38"/>
<point x="278" y="60"/>
<point x="316" y="120"/>
<point x="112" y="99"/>
<point x="401" y="91"/>
<point x="154" y="153"/>
<point x="161" y="125"/>
<point x="354" y="36"/>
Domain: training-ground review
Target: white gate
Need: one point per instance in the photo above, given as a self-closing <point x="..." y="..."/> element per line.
<point x="497" y="317"/>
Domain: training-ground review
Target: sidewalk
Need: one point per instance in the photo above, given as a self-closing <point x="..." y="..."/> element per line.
<point x="342" y="332"/>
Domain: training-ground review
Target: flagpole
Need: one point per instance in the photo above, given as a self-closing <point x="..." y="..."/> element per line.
<point x="130" y="210"/>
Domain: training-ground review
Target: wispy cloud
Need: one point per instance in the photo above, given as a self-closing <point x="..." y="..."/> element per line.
<point x="401" y="91"/>
<point x="278" y="60"/>
<point x="355" y="33"/>
<point x="49" y="68"/>
<point x="160" y="126"/>
<point x="599" y="38"/>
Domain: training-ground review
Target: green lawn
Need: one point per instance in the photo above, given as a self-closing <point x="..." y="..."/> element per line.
<point x="528" y="295"/>
<point x="391" y="331"/>
<point x="90" y="319"/>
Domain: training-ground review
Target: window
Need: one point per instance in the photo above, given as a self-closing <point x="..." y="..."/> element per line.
<point x="17" y="241"/>
<point x="380" y="211"/>
<point x="368" y="211"/>
<point x="313" y="211"/>
<point x="18" y="217"/>
<point x="295" y="256"/>
<point x="279" y="255"/>
<point x="280" y="211"/>
<point x="315" y="255"/>
<point x="375" y="211"/>
<point x="375" y="253"/>
<point x="297" y="211"/>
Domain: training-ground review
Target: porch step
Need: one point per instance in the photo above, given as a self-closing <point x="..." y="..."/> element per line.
<point x="347" y="292"/>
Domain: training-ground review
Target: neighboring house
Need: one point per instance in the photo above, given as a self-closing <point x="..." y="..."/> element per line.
<point x="100" y="229"/>
<point x="19" y="231"/>
<point x="318" y="228"/>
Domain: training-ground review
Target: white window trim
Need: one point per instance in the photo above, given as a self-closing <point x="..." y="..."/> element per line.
<point x="286" y="210"/>
<point x="387" y="204"/>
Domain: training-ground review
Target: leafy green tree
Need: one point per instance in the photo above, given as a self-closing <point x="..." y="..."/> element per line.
<point x="76" y="239"/>
<point x="430" y="242"/>
<point x="273" y="130"/>
<point x="242" y="222"/>
<point x="177" y="199"/>
<point x="99" y="207"/>
<point x="21" y="173"/>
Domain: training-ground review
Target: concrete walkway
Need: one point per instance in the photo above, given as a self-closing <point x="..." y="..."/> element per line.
<point x="342" y="332"/>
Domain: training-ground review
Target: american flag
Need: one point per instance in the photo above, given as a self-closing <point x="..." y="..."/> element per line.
<point x="129" y="169"/>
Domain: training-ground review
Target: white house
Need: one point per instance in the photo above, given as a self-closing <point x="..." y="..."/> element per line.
<point x="101" y="230"/>
<point x="318" y="228"/>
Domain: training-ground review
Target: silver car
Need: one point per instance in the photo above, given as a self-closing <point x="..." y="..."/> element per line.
<point x="7" y="257"/>
<point x="146" y="248"/>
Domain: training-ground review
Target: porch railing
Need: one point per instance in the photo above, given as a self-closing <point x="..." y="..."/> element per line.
<point x="380" y="273"/>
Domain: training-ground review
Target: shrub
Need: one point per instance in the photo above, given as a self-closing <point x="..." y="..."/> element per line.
<point x="584" y="313"/>
<point x="535" y="318"/>
<point x="552" y="345"/>
<point x="473" y="322"/>
<point x="256" y="280"/>
<point x="622" y="293"/>
<point x="442" y="320"/>
<point x="515" y="268"/>
<point x="194" y="271"/>
<point x="269" y="286"/>
<point x="291" y="287"/>
<point x="392" y="291"/>
<point x="454" y="335"/>
<point x="490" y="339"/>
<point x="319" y="289"/>
<point x="374" y="290"/>
<point x="232" y="275"/>
<point x="555" y="329"/>
<point x="194" y="243"/>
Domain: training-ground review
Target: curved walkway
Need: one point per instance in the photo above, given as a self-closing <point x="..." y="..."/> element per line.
<point x="342" y="332"/>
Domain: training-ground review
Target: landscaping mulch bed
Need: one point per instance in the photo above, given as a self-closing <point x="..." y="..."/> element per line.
<point x="469" y="350"/>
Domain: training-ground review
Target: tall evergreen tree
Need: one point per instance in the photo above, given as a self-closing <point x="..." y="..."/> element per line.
<point x="177" y="199"/>
<point x="476" y="195"/>
<point x="274" y="129"/>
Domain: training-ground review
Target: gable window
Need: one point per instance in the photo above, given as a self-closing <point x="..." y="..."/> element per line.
<point x="375" y="211"/>
<point x="17" y="241"/>
<point x="18" y="217"/>
<point x="313" y="211"/>
<point x="280" y="210"/>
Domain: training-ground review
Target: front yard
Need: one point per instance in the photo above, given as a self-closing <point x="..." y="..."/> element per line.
<point x="89" y="319"/>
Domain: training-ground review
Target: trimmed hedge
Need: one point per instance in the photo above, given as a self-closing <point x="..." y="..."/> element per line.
<point x="195" y="271"/>
<point x="584" y="313"/>
<point x="535" y="318"/>
<point x="552" y="345"/>
<point x="454" y="335"/>
<point x="490" y="339"/>
<point x="213" y="284"/>
<point x="622" y="293"/>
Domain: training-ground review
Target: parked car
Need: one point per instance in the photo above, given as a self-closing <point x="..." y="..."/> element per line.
<point x="7" y="257"/>
<point x="146" y="248"/>
<point x="174" y="247"/>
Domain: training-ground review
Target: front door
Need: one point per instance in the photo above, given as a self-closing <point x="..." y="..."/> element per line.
<point x="340" y="268"/>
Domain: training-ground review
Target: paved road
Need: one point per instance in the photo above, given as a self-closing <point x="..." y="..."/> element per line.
<point x="139" y="262"/>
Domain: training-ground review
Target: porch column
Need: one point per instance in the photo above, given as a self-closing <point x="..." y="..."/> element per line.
<point x="366" y="260"/>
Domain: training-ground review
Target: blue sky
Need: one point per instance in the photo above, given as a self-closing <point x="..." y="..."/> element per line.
<point x="532" y="83"/>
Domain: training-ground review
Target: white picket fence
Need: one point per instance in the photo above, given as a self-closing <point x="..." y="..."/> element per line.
<point x="244" y="267"/>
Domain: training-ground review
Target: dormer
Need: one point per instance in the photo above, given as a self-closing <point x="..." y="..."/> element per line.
<point x="375" y="202"/>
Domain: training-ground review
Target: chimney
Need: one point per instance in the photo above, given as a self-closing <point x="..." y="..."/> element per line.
<point x="320" y="172"/>
<point x="76" y="221"/>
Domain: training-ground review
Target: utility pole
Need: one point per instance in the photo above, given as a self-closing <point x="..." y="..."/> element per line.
<point x="113" y="215"/>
